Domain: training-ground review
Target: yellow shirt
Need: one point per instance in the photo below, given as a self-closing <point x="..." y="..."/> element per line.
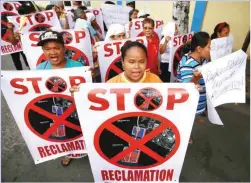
<point x="147" y="78"/>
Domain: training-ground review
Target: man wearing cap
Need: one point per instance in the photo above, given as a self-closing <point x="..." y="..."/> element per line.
<point x="53" y="47"/>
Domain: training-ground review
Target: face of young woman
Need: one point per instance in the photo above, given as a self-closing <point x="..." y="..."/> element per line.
<point x="134" y="64"/>
<point x="134" y="15"/>
<point x="148" y="29"/>
<point x="205" y="52"/>
<point x="118" y="37"/>
<point x="224" y="32"/>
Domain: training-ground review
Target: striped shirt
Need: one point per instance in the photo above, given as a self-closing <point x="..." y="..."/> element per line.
<point x="185" y="72"/>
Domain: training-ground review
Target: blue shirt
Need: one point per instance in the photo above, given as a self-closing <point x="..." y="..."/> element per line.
<point x="46" y="65"/>
<point x="185" y="72"/>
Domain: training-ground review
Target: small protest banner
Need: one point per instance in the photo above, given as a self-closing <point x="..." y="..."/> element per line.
<point x="176" y="52"/>
<point x="225" y="80"/>
<point x="77" y="44"/>
<point x="44" y="110"/>
<point x="37" y="21"/>
<point x="8" y="9"/>
<point x="137" y="28"/>
<point x="109" y="57"/>
<point x="137" y="132"/>
<point x="115" y="14"/>
<point x="221" y="47"/>
<point x="70" y="15"/>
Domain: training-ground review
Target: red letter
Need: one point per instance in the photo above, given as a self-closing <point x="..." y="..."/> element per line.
<point x="175" y="41"/>
<point x="104" y="175"/>
<point x="171" y="97"/>
<point x="107" y="49"/>
<point x="117" y="47"/>
<point x="158" y="23"/>
<point x="95" y="12"/>
<point x="121" y="97"/>
<point x="74" y="79"/>
<point x="49" y="15"/>
<point x="93" y="98"/>
<point x="111" y="174"/>
<point x="47" y="150"/>
<point x="41" y="152"/>
<point x="117" y="175"/>
<point x="169" y="175"/>
<point x="34" y="82"/>
<point x="16" y="5"/>
<point x="14" y="84"/>
<point x="52" y="148"/>
<point x="79" y="35"/>
<point x="137" y="25"/>
<point x="34" y="37"/>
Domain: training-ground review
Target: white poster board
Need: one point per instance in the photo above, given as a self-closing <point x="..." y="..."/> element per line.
<point x="109" y="57"/>
<point x="135" y="140"/>
<point x="44" y="110"/>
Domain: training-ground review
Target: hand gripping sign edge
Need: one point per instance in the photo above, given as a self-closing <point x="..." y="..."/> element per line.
<point x="58" y="120"/>
<point x="136" y="144"/>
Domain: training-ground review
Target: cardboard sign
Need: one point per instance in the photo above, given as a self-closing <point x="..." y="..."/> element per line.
<point x="115" y="14"/>
<point x="137" y="28"/>
<point x="225" y="81"/>
<point x="221" y="47"/>
<point x="37" y="21"/>
<point x="70" y="15"/>
<point x="137" y="132"/>
<point x="45" y="111"/>
<point x="8" y="9"/>
<point x="176" y="52"/>
<point x="77" y="43"/>
<point x="109" y="57"/>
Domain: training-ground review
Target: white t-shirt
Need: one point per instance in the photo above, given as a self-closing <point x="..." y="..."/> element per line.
<point x="165" y="57"/>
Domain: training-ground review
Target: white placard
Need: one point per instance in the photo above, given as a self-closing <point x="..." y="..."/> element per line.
<point x="44" y="110"/>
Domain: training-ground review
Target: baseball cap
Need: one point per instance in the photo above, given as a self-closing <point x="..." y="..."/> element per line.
<point x="50" y="36"/>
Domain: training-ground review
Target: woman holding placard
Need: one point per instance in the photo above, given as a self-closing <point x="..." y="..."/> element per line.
<point x="168" y="32"/>
<point x="221" y="30"/>
<point x="189" y="64"/>
<point x="134" y="62"/>
<point x="152" y="45"/>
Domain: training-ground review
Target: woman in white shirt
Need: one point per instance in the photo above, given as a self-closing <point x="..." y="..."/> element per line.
<point x="168" y="32"/>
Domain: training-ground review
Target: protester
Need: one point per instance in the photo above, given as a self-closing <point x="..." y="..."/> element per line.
<point x="134" y="61"/>
<point x="91" y="19"/>
<point x="53" y="47"/>
<point x="133" y="14"/>
<point x="60" y="14"/>
<point x="152" y="45"/>
<point x="77" y="3"/>
<point x="14" y="37"/>
<point x="81" y="23"/>
<point x="221" y="30"/>
<point x="115" y="32"/>
<point x="189" y="64"/>
<point x="168" y="32"/>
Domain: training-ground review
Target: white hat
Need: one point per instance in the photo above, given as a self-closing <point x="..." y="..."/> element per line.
<point x="142" y="13"/>
<point x="114" y="29"/>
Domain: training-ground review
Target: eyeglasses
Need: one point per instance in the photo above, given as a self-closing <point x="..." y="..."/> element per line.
<point x="148" y="28"/>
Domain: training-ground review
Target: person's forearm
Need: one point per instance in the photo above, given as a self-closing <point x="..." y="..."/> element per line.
<point x="162" y="48"/>
<point x="11" y="38"/>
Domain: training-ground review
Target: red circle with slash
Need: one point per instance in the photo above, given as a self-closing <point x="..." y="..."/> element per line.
<point x="108" y="126"/>
<point x="41" y="108"/>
